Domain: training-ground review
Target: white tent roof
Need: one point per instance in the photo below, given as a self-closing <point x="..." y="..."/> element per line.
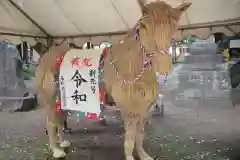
<point x="89" y="17"/>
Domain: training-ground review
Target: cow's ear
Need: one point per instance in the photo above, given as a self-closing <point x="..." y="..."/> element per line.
<point x="183" y="7"/>
<point x="142" y="4"/>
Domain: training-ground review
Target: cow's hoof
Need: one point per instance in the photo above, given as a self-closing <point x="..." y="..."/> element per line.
<point x="58" y="153"/>
<point x="65" y="144"/>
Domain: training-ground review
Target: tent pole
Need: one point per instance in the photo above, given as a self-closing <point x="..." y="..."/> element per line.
<point x="29" y="18"/>
<point x="92" y="35"/>
<point x="184" y="27"/>
<point x="22" y="35"/>
<point x="212" y="24"/>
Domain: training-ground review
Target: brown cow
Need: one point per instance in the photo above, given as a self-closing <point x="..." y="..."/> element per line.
<point x="129" y="72"/>
<point x="131" y="79"/>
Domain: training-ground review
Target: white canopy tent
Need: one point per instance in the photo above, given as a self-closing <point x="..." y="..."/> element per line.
<point x="102" y="18"/>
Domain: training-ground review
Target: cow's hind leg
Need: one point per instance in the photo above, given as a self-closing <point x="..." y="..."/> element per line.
<point x="61" y="134"/>
<point x="52" y="127"/>
<point x="139" y="141"/>
<point x="130" y="128"/>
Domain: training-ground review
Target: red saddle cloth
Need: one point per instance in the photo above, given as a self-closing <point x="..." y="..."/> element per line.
<point x="58" y="62"/>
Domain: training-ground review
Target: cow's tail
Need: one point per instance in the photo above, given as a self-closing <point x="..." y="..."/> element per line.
<point x="41" y="95"/>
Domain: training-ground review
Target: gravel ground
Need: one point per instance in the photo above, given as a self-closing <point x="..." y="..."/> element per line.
<point x="184" y="133"/>
<point x="191" y="129"/>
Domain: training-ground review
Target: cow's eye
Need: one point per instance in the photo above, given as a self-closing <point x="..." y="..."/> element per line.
<point x="150" y="54"/>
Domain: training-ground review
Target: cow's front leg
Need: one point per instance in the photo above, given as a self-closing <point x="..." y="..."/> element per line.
<point x="139" y="141"/>
<point x="130" y="128"/>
